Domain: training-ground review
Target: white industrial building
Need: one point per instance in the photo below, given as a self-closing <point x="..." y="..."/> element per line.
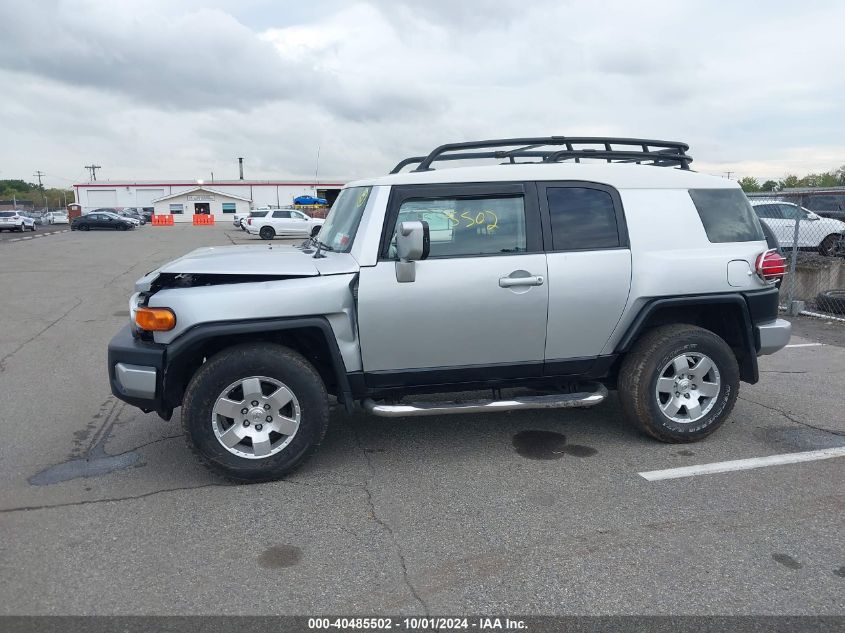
<point x="184" y="198"/>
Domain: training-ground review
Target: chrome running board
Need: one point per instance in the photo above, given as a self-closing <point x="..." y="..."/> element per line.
<point x="552" y="401"/>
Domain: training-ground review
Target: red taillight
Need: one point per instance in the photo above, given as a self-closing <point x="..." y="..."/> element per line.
<point x="770" y="266"/>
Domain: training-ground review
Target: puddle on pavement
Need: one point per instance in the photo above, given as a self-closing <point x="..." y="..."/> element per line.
<point x="95" y="461"/>
<point x="84" y="467"/>
<point x="799" y="438"/>
<point x="280" y="556"/>
<point x="544" y="445"/>
<point x="787" y="561"/>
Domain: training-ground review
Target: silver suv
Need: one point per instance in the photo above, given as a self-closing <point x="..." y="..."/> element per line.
<point x="575" y="266"/>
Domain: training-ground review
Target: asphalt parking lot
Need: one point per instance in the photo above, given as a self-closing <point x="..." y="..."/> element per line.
<point x="515" y="513"/>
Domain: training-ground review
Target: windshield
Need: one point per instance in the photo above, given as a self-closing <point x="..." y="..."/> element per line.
<point x="340" y="226"/>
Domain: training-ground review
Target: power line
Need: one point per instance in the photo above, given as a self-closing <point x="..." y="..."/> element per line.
<point x="93" y="171"/>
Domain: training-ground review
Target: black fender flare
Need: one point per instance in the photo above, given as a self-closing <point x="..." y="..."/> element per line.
<point x="749" y="371"/>
<point x="180" y="351"/>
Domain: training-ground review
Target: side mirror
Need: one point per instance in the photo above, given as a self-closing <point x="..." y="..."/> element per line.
<point x="812" y="216"/>
<point x="412" y="244"/>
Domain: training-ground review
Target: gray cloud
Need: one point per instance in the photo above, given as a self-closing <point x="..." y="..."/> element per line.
<point x="152" y="88"/>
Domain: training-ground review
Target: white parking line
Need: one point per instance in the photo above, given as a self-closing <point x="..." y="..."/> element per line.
<point x="743" y="464"/>
<point x="806" y="345"/>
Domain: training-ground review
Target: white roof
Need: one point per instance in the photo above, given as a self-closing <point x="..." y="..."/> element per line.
<point x="190" y="191"/>
<point x="619" y="175"/>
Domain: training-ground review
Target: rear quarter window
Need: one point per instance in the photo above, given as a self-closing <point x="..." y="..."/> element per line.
<point x="727" y="215"/>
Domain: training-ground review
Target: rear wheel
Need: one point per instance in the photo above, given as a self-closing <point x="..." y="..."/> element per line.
<point x="679" y="383"/>
<point x="831" y="301"/>
<point x="267" y="233"/>
<point x="255" y="412"/>
<point x="831" y="245"/>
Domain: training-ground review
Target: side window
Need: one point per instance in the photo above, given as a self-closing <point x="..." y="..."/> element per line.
<point x="281" y="214"/>
<point x="468" y="226"/>
<point x="726" y="215"/>
<point x="768" y="211"/>
<point x="582" y="219"/>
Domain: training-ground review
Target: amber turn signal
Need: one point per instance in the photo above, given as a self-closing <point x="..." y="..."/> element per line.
<point x="155" y="319"/>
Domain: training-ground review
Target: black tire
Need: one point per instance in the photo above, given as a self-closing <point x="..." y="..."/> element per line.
<point x="829" y="246"/>
<point x="314" y="231"/>
<point x="267" y="233"/>
<point x="84" y="227"/>
<point x="831" y="301"/>
<point x="641" y="369"/>
<point x="242" y="361"/>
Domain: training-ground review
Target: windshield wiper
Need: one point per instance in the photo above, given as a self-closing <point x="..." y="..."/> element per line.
<point x="321" y="247"/>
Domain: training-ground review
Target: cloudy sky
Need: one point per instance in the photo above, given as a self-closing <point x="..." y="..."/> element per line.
<point x="178" y="89"/>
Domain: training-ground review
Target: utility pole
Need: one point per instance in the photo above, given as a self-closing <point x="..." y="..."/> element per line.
<point x="93" y="170"/>
<point x="38" y="174"/>
<point x="729" y="174"/>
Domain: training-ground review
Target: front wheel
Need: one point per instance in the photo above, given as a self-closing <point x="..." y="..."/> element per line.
<point x="679" y="383"/>
<point x="267" y="233"/>
<point x="255" y="412"/>
<point x="315" y="231"/>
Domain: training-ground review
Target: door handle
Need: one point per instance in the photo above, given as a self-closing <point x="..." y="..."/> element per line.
<point x="512" y="282"/>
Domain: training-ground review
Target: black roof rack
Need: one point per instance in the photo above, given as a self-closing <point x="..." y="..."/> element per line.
<point x="554" y="149"/>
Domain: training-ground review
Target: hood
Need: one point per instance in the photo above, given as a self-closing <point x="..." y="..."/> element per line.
<point x="261" y="260"/>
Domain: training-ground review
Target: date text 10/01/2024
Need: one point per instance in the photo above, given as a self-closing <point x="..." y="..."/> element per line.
<point x="418" y="624"/>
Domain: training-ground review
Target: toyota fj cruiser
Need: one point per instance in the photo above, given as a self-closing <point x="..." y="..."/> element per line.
<point x="574" y="266"/>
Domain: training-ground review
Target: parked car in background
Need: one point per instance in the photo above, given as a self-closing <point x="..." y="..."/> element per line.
<point x="102" y="220"/>
<point x="37" y="216"/>
<point x="133" y="212"/>
<point x="133" y="215"/>
<point x="282" y="223"/>
<point x="55" y="217"/>
<point x="16" y="221"/>
<point x="814" y="232"/>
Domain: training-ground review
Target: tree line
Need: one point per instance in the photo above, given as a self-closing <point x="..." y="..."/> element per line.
<point x="833" y="178"/>
<point x="21" y="190"/>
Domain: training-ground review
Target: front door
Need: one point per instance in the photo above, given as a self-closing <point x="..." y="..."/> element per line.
<point x="476" y="310"/>
<point x="203" y="208"/>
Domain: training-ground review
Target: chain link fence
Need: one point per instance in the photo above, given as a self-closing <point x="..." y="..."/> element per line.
<point x="814" y="248"/>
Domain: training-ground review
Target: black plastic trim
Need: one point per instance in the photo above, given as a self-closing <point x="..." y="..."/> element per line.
<point x="749" y="371"/>
<point x="453" y="375"/>
<point x="191" y="338"/>
<point x="125" y="348"/>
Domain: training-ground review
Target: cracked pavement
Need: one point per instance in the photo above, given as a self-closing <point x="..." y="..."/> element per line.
<point x="437" y="515"/>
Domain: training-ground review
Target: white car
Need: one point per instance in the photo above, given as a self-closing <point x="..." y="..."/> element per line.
<point x="55" y="217"/>
<point x="15" y="221"/>
<point x="814" y="231"/>
<point x="271" y="223"/>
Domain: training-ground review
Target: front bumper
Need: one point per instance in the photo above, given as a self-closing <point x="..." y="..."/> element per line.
<point x="772" y="336"/>
<point x="136" y="371"/>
